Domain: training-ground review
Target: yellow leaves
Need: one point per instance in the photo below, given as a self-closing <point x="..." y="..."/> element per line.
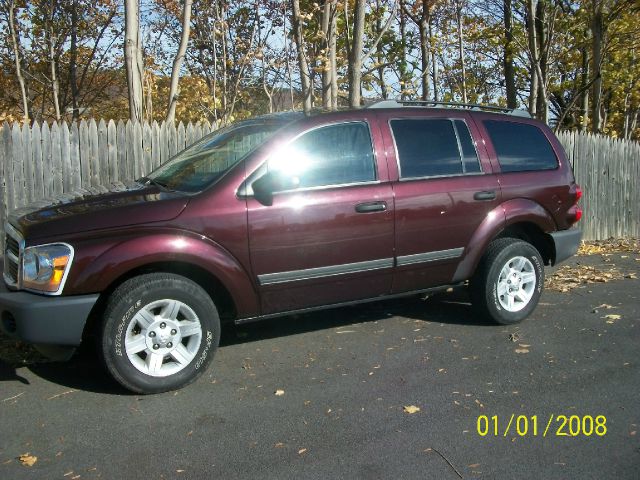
<point x="410" y="409"/>
<point x="301" y="451"/>
<point x="523" y="348"/>
<point x="27" y="459"/>
<point x="611" y="318"/>
<point x="569" y="277"/>
<point x="605" y="247"/>
<point x="279" y="393"/>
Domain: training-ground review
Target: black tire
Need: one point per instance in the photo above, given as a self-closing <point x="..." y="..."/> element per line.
<point x="487" y="287"/>
<point x="180" y="311"/>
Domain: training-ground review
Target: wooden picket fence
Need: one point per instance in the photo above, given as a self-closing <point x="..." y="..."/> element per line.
<point x="608" y="170"/>
<point x="42" y="161"/>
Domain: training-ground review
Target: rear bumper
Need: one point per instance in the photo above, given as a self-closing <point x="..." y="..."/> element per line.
<point x="566" y="243"/>
<point x="45" y="320"/>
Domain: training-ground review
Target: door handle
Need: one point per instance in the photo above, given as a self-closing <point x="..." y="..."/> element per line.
<point x="486" y="195"/>
<point x="371" y="207"/>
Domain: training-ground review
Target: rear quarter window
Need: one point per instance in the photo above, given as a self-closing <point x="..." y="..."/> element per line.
<point x="520" y="147"/>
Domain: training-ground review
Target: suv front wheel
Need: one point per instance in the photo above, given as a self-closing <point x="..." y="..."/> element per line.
<point x="509" y="280"/>
<point x="160" y="332"/>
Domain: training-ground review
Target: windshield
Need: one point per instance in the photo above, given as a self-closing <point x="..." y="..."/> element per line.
<point x="197" y="167"/>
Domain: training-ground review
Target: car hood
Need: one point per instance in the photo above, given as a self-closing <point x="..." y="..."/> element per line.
<point x="95" y="208"/>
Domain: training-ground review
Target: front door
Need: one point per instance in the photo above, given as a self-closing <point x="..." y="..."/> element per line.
<point x="326" y="235"/>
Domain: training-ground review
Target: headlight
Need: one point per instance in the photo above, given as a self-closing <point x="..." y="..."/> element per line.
<point x="45" y="267"/>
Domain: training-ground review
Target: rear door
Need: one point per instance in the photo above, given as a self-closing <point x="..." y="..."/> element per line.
<point x="327" y="237"/>
<point x="444" y="189"/>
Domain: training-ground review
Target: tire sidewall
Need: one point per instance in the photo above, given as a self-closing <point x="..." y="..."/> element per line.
<point x="122" y="313"/>
<point x="496" y="310"/>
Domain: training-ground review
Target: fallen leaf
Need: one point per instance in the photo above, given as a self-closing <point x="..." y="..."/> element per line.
<point x="279" y="445"/>
<point x="612" y="316"/>
<point x="301" y="451"/>
<point x="411" y="409"/>
<point x="521" y="350"/>
<point x="474" y="465"/>
<point x="28" y="459"/>
<point x="603" y="306"/>
<point x="279" y="393"/>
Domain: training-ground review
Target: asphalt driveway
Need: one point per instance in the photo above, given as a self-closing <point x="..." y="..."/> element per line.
<point x="329" y="395"/>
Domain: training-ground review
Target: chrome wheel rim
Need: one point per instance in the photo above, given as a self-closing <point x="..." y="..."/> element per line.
<point x="516" y="284"/>
<point x="163" y="337"/>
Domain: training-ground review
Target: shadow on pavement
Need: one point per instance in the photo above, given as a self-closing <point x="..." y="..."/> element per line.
<point x="86" y="372"/>
<point x="452" y="308"/>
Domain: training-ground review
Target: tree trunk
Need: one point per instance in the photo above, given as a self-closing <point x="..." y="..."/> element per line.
<point x="18" y="61"/>
<point x="333" y="61"/>
<point x="355" y="57"/>
<point x="543" y="60"/>
<point x="73" y="62"/>
<point x="509" y="70"/>
<point x="286" y="49"/>
<point x="584" y="80"/>
<point x="177" y="61"/>
<point x="405" y="79"/>
<point x="423" y="29"/>
<point x="597" y="33"/>
<point x="51" y="40"/>
<point x="461" y="50"/>
<point x="533" y="57"/>
<point x="133" y="59"/>
<point x="434" y="64"/>
<point x="329" y="70"/>
<point x="380" y="55"/>
<point x="305" y="78"/>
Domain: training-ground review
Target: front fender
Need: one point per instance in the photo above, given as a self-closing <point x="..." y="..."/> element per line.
<point x="98" y="264"/>
<point x="519" y="210"/>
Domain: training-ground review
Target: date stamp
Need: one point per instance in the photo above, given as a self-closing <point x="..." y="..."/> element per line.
<point x="534" y="426"/>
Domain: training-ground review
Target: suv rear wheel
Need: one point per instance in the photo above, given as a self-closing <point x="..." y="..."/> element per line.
<point x="509" y="280"/>
<point x="160" y="332"/>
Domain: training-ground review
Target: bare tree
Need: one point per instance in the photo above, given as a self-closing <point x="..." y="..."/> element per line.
<point x="423" y="21"/>
<point x="507" y="59"/>
<point x="305" y="77"/>
<point x="15" y="43"/>
<point x="330" y="69"/>
<point x="133" y="59"/>
<point x="356" y="55"/>
<point x="177" y="61"/>
<point x="463" y="86"/>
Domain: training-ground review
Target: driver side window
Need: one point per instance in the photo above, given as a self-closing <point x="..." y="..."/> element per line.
<point x="332" y="155"/>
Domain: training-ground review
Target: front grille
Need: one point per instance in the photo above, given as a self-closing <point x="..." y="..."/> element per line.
<point x="12" y="251"/>
<point x="12" y="245"/>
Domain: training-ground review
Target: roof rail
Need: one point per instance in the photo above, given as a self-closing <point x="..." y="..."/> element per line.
<point x="432" y="104"/>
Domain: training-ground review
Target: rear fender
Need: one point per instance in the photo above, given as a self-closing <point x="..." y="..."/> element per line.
<point x="519" y="210"/>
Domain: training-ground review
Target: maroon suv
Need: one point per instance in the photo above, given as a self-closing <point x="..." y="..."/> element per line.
<point x="286" y="213"/>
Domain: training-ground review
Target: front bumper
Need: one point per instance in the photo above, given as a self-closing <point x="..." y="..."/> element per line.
<point x="566" y="243"/>
<point x="45" y="320"/>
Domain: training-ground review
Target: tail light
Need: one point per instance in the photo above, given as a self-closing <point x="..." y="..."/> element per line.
<point x="575" y="212"/>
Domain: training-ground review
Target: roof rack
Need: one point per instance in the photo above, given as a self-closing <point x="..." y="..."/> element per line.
<point x="428" y="103"/>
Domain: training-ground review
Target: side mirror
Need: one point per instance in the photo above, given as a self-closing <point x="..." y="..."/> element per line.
<point x="264" y="187"/>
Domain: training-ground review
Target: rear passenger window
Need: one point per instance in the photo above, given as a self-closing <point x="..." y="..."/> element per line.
<point x="434" y="148"/>
<point x="520" y="147"/>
